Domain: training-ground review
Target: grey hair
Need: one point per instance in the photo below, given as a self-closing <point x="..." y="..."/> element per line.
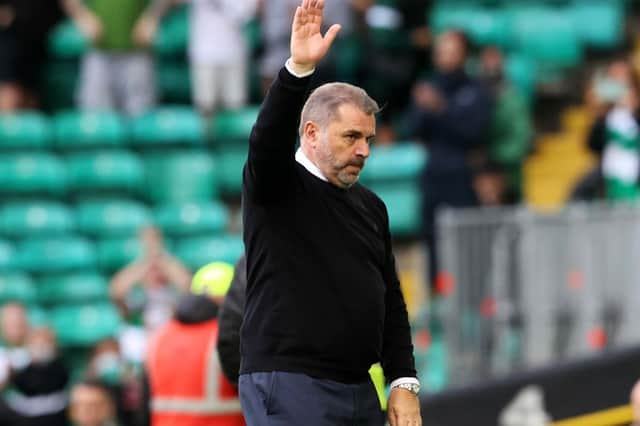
<point x="323" y="103"/>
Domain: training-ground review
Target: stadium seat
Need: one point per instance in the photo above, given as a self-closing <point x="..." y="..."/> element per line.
<point x="483" y="25"/>
<point x="169" y="125"/>
<point x="174" y="82"/>
<point x="85" y="325"/>
<point x="197" y="252"/>
<point x="89" y="129"/>
<point x="17" y="287"/>
<point x="83" y="287"/>
<point x="230" y="165"/>
<point x="7" y="256"/>
<point x="116" y="170"/>
<point x="546" y="35"/>
<point x="66" y="41"/>
<point x="38" y="316"/>
<point x="43" y="256"/>
<point x="234" y="126"/>
<point x="192" y="218"/>
<point x="180" y="176"/>
<point x="599" y="23"/>
<point x="36" y="219"/>
<point x="397" y="162"/>
<point x="403" y="203"/>
<point x="23" y="130"/>
<point x="521" y="71"/>
<point x="172" y="37"/>
<point x="112" y="218"/>
<point x="31" y="173"/>
<point x="114" y="253"/>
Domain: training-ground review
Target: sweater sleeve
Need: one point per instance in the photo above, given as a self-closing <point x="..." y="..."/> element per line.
<point x="271" y="160"/>
<point x="397" y="349"/>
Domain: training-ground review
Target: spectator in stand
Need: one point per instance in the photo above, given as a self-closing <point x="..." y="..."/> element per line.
<point x="509" y="135"/>
<point x="92" y="405"/>
<point x="118" y="72"/>
<point x="219" y="53"/>
<point x="604" y="91"/>
<point x="14" y="329"/>
<point x="395" y="57"/>
<point x="24" y="26"/>
<point x="451" y="114"/>
<point x="158" y="275"/>
<point x="37" y="391"/>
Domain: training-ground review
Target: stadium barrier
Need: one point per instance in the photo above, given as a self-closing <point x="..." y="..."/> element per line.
<point x="523" y="290"/>
<point x="593" y="391"/>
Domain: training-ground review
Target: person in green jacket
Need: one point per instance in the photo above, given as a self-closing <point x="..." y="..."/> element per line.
<point x="118" y="71"/>
<point x="511" y="130"/>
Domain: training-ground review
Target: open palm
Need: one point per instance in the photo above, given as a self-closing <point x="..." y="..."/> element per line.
<point x="308" y="46"/>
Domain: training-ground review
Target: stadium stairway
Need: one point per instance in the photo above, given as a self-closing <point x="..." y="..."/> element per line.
<point x="560" y="160"/>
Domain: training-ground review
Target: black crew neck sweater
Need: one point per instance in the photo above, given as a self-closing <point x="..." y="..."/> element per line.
<point x="323" y="297"/>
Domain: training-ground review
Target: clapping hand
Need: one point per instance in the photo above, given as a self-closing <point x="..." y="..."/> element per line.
<point x="308" y="46"/>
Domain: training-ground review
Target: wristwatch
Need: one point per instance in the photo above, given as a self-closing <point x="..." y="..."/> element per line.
<point x="411" y="387"/>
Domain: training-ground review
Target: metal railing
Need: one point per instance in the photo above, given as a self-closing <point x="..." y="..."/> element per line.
<point x="528" y="289"/>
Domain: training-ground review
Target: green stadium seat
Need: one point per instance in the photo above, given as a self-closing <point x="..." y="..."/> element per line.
<point x="66" y="41"/>
<point x="172" y="37"/>
<point x="24" y="130"/>
<point x="193" y="218"/>
<point x="234" y="126"/>
<point x="521" y="71"/>
<point x="547" y="35"/>
<point x="403" y="203"/>
<point x="89" y="129"/>
<point x="197" y="252"/>
<point x="230" y="165"/>
<point x="116" y="170"/>
<point x="38" y="316"/>
<point x="112" y="218"/>
<point x="599" y="23"/>
<point x="17" y="287"/>
<point x="114" y="253"/>
<point x="85" y="325"/>
<point x="170" y="125"/>
<point x="7" y="256"/>
<point x="397" y="162"/>
<point x="180" y="176"/>
<point x="52" y="255"/>
<point x="483" y="25"/>
<point x="36" y="219"/>
<point x="31" y="173"/>
<point x="82" y="287"/>
<point x="174" y="81"/>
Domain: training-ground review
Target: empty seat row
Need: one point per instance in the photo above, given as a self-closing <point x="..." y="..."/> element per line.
<point x="114" y="218"/>
<point x="73" y="253"/>
<point x="167" y="125"/>
<point x="171" y="175"/>
<point x="74" y="288"/>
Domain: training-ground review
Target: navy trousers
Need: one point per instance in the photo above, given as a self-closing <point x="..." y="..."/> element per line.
<point x="289" y="399"/>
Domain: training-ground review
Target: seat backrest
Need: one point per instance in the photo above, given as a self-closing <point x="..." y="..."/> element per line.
<point x="112" y="217"/>
<point x="32" y="173"/>
<point x="105" y="170"/>
<point x="192" y="218"/>
<point x="36" y="219"/>
<point x="52" y="255"/>
<point x="199" y="251"/>
<point x="22" y="130"/>
<point x="90" y="129"/>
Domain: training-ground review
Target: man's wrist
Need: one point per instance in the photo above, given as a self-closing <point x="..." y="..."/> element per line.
<point x="409" y="383"/>
<point x="298" y="70"/>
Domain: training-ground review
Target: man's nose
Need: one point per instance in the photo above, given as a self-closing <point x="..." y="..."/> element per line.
<point x="363" y="149"/>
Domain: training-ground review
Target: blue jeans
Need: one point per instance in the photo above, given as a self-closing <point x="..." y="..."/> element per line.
<point x="290" y="399"/>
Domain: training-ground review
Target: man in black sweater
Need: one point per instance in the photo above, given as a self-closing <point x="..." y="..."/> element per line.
<point x="323" y="298"/>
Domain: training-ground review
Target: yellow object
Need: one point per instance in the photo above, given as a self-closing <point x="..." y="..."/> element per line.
<point x="612" y="417"/>
<point x="213" y="279"/>
<point x="377" y="376"/>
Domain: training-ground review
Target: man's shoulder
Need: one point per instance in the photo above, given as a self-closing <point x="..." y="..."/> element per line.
<point x="370" y="197"/>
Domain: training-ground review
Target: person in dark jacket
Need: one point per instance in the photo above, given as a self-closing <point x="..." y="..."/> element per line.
<point x="451" y="114"/>
<point x="323" y="295"/>
<point x="230" y="319"/>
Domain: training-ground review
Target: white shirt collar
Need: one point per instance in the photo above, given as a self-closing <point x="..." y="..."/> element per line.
<point x="302" y="158"/>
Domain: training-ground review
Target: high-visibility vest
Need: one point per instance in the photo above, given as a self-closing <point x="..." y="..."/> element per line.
<point x="186" y="382"/>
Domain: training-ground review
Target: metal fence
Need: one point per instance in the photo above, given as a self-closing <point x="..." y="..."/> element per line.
<point x="529" y="289"/>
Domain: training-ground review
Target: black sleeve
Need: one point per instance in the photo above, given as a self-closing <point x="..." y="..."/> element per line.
<point x="397" y="349"/>
<point x="230" y="320"/>
<point x="597" y="138"/>
<point x="271" y="160"/>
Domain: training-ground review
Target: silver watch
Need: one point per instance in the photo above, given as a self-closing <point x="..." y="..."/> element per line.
<point x="411" y="387"/>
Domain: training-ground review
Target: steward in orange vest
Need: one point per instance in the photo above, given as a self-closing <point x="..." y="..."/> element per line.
<point x="185" y="379"/>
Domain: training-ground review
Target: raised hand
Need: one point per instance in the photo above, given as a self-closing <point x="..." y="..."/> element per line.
<point x="308" y="46"/>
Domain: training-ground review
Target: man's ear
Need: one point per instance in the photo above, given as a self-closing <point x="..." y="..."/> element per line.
<point x="311" y="133"/>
